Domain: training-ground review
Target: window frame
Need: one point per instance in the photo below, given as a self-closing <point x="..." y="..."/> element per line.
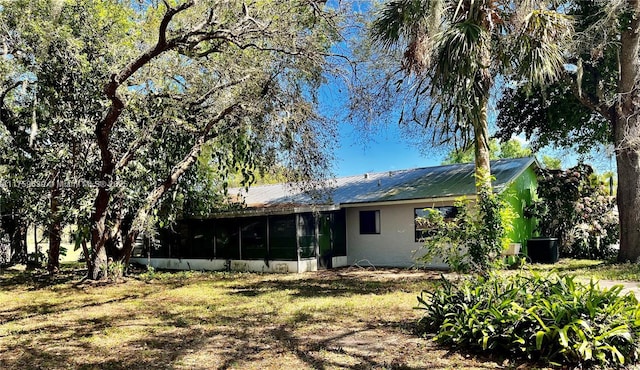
<point x="368" y="229"/>
<point x="451" y="211"/>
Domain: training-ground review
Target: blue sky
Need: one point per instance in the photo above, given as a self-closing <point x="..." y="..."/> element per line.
<point x="385" y="150"/>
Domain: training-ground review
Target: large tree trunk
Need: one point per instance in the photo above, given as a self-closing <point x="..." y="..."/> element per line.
<point x="100" y="234"/>
<point x="627" y="138"/>
<point x="484" y="80"/>
<point x="482" y="154"/>
<point x="628" y="204"/>
<point x="98" y="264"/>
<point x="481" y="126"/>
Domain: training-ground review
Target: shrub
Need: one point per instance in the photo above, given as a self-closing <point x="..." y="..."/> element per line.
<point x="473" y="238"/>
<point x="575" y="208"/>
<point x="553" y="318"/>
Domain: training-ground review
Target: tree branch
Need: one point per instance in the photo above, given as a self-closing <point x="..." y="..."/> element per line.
<point x="177" y="171"/>
<point x="597" y="106"/>
<point x="8" y="89"/>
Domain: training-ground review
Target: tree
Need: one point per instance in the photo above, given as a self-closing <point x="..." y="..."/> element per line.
<point x="602" y="83"/>
<point x="48" y="107"/>
<point x="508" y="149"/>
<point x="455" y="49"/>
<point x="551" y="163"/>
<point x="170" y="79"/>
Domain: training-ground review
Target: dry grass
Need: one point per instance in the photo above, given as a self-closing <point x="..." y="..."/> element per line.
<point x="356" y="319"/>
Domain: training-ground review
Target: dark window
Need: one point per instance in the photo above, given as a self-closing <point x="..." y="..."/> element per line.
<point x="421" y="229"/>
<point x="167" y="240"/>
<point x="369" y="222"/>
<point x="201" y="238"/>
<point x="227" y="243"/>
<point x="182" y="248"/>
<point x="282" y="238"/>
<point x="307" y="235"/>
<point x="254" y="239"/>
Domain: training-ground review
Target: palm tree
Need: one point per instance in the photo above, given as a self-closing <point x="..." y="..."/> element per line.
<point x="456" y="49"/>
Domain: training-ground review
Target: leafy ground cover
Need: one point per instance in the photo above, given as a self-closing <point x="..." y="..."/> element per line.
<point x="346" y="318"/>
<point x="537" y="316"/>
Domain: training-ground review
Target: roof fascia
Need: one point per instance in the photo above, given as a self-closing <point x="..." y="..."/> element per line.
<point x="409" y="201"/>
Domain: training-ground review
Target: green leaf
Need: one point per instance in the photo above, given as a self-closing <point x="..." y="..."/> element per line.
<point x="539" y="338"/>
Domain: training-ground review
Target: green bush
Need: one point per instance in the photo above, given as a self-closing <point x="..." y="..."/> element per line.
<point x="552" y="318"/>
<point x="473" y="239"/>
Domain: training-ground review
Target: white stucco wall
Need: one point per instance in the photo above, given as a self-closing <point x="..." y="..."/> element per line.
<point x="395" y="245"/>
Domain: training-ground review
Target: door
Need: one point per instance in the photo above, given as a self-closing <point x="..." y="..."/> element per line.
<point x="325" y="241"/>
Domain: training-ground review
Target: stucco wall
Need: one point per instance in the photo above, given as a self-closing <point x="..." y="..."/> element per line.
<point x="395" y="245"/>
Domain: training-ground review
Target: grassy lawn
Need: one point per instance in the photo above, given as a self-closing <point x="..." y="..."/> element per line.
<point x="347" y="318"/>
<point x="598" y="270"/>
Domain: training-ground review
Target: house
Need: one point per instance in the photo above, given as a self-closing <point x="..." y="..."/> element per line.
<point x="367" y="219"/>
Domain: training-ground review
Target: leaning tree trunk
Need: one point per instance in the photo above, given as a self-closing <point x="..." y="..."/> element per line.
<point x="627" y="138"/>
<point x="100" y="233"/>
<point x="178" y="170"/>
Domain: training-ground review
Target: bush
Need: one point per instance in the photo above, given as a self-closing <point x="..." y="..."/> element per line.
<point x="473" y="238"/>
<point x="574" y="207"/>
<point x="552" y="318"/>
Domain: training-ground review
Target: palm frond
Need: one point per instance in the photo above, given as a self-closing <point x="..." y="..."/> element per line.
<point x="542" y="38"/>
<point x="412" y="24"/>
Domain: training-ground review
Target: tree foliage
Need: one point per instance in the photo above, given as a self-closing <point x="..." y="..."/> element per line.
<point x="511" y="148"/>
<point x="551" y="117"/>
<point x="473" y="239"/>
<point x="451" y="53"/>
<point x="574" y="207"/>
<point x="596" y="101"/>
<point x="135" y="96"/>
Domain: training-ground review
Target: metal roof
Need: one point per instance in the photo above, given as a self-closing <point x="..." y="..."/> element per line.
<point x="447" y="181"/>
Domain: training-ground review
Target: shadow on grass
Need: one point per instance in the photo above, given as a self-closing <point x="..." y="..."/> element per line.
<point x="30" y="311"/>
<point x="39" y="279"/>
<point x="167" y="332"/>
<point x="334" y="286"/>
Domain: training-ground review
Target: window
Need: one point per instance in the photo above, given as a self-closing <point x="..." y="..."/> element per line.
<point x="421" y="229"/>
<point x="282" y="238"/>
<point x="253" y="238"/>
<point x="369" y="222"/>
<point x="307" y="235"/>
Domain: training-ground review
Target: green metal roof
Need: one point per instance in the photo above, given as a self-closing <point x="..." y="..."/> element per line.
<point x="454" y="180"/>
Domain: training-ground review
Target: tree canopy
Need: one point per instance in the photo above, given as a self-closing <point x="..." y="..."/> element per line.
<point x="452" y="52"/>
<point x="123" y="99"/>
<point x="595" y="103"/>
